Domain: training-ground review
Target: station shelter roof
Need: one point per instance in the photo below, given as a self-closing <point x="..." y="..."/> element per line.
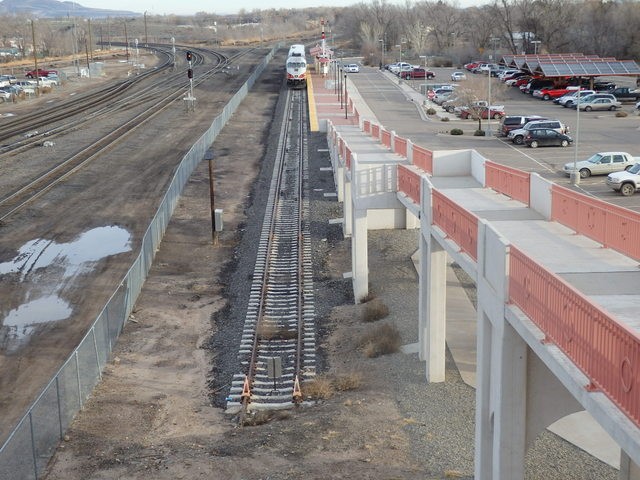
<point x="571" y="65"/>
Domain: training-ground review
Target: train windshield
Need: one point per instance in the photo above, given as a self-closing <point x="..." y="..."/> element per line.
<point x="295" y="64"/>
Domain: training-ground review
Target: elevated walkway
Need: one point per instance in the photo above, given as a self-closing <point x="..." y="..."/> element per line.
<point x="557" y="324"/>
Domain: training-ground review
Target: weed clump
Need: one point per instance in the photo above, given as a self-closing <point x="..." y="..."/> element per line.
<point x="382" y="340"/>
<point x="373" y="311"/>
<point x="456" y="131"/>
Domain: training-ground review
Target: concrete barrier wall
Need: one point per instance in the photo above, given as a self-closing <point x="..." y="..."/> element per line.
<point x="452" y="163"/>
<point x="540" y="198"/>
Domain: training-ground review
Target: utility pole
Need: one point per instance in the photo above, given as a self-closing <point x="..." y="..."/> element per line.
<point x="126" y="40"/>
<point x="90" y="40"/>
<point x="35" y="56"/>
<point x="146" y="39"/>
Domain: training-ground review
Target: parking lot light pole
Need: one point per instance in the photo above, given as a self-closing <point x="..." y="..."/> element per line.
<point x="493" y="41"/>
<point x="381" y="40"/>
<point x="575" y="175"/>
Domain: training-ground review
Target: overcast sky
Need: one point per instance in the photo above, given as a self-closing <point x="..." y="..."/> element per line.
<point x="163" y="7"/>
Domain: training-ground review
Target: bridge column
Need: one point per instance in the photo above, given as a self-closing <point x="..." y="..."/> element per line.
<point x="628" y="469"/>
<point x="347" y="207"/>
<point x="360" y="254"/>
<point x="501" y="375"/>
<point x="432" y="306"/>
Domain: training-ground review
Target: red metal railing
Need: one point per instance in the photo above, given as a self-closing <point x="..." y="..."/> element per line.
<point x="605" y="350"/>
<point x="400" y="145"/>
<point x="510" y="181"/>
<point x="458" y="223"/>
<point x="615" y="227"/>
<point x="375" y="130"/>
<point x="348" y="156"/>
<point x="366" y="125"/>
<point x="409" y="183"/>
<point x="423" y="158"/>
<point x="385" y="138"/>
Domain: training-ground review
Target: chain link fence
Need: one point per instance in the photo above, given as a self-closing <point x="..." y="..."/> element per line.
<point x="27" y="450"/>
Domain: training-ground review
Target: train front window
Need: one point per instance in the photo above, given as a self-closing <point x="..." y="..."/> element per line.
<point x="295" y="65"/>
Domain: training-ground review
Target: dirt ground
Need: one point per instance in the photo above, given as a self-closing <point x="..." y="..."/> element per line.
<point x="152" y="414"/>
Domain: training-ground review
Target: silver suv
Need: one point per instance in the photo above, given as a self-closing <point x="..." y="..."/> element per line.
<point x="517" y="136"/>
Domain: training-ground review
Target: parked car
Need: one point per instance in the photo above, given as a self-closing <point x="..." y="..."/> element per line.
<point x="546" y="137"/>
<point x="638" y="106"/>
<point x="417" y="73"/>
<point x="507" y="72"/>
<point x="600" y="104"/>
<point x="494" y="111"/>
<point x="590" y="98"/>
<point x="442" y="97"/>
<point x="513" y="122"/>
<point x="400" y="67"/>
<point x="548" y="93"/>
<point x="40" y="73"/>
<point x="518" y="82"/>
<point x="601" y="163"/>
<point x="569" y="98"/>
<point x="5" y="96"/>
<point x="518" y="136"/>
<point x="626" y="94"/>
<point x="627" y="181"/>
<point x="457" y="76"/>
<point x="352" y="68"/>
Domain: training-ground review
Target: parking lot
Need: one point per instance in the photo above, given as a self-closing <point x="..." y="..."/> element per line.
<point x="592" y="132"/>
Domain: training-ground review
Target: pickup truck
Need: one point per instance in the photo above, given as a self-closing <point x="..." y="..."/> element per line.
<point x="626" y="94"/>
<point x="626" y="182"/>
<point x="40" y="73"/>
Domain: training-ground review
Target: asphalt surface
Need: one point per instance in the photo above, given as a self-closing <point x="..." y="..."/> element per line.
<point x="592" y="131"/>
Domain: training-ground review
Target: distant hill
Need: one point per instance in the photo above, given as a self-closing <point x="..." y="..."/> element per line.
<point x="56" y="9"/>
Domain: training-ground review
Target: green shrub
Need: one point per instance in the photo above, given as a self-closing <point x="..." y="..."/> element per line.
<point x="479" y="133"/>
<point x="445" y="119"/>
<point x="431" y="111"/>
<point x="456" y="131"/>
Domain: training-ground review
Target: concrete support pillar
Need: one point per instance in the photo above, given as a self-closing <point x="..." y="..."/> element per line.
<point x="347" y="207"/>
<point x="501" y="375"/>
<point x="433" y="300"/>
<point x="339" y="179"/>
<point x="360" y="254"/>
<point x="393" y="141"/>
<point x="629" y="470"/>
<point x="410" y="151"/>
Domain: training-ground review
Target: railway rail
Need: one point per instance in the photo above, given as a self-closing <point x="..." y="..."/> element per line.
<point x="152" y="99"/>
<point x="277" y="351"/>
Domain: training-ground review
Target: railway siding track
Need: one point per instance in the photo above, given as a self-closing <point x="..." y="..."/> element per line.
<point x="279" y="329"/>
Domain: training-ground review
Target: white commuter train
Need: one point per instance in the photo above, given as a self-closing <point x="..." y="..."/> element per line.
<point x="296" y="67"/>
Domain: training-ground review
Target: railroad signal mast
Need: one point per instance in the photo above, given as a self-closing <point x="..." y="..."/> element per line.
<point x="189" y="99"/>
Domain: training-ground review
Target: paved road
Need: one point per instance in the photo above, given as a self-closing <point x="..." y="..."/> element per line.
<point x="594" y="131"/>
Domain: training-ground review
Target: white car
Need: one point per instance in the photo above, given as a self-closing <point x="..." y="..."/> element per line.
<point x="638" y="106"/>
<point x="352" y="68"/>
<point x="601" y="163"/>
<point x="457" y="76"/>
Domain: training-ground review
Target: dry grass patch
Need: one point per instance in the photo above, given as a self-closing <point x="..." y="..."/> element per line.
<point x="373" y="311"/>
<point x="382" y="340"/>
<point x="320" y="388"/>
<point x="347" y="381"/>
<point x="621" y="114"/>
<point x="260" y="417"/>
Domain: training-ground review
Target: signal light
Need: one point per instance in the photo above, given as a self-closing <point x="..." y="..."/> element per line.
<point x="190" y="73"/>
<point x="189" y="56"/>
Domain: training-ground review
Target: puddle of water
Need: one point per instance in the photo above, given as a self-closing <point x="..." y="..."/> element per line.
<point x="47" y="267"/>
<point x="75" y="257"/>
<point x="22" y="320"/>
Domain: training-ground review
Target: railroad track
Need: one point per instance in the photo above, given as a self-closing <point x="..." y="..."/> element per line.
<point x="277" y="351"/>
<point x="153" y="99"/>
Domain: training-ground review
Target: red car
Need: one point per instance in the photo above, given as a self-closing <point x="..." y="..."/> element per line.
<point x="417" y="73"/>
<point x="548" y="93"/>
<point x="40" y="73"/>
